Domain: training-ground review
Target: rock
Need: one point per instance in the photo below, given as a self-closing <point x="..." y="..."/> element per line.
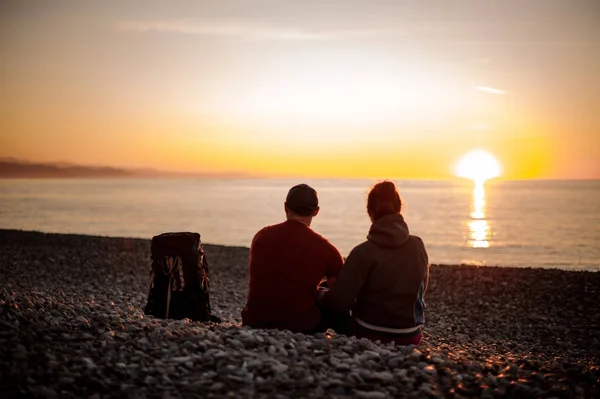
<point x="382" y="377"/>
<point x="181" y="359"/>
<point x="395" y="362"/>
<point x="370" y="395"/>
<point x="280" y="368"/>
<point x="149" y="380"/>
<point x="318" y="392"/>
<point x="65" y="381"/>
<point x="415" y="355"/>
<point x="48" y="392"/>
<point x="426" y="389"/>
<point x="337" y="391"/>
<point x="89" y="363"/>
<point x="487" y="393"/>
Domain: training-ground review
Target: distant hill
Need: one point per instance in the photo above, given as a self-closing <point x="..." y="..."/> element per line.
<point x="24" y="169"/>
<point x="15" y="168"/>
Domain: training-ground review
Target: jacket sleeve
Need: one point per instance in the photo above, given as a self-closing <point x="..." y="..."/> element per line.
<point x="426" y="258"/>
<point x="349" y="283"/>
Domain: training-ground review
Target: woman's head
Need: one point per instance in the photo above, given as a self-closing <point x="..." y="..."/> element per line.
<point x="383" y="200"/>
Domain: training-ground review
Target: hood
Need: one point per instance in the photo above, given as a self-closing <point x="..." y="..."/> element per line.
<point x="389" y="231"/>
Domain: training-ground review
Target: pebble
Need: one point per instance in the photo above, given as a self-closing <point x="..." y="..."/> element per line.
<point x="415" y="355"/>
<point x="65" y="328"/>
<point x="48" y="392"/>
<point x="370" y="395"/>
<point x="395" y="362"/>
<point x="217" y="386"/>
<point x="89" y="363"/>
<point x="382" y="377"/>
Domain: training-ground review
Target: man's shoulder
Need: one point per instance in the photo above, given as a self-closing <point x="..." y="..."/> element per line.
<point x="266" y="234"/>
<point x="316" y="241"/>
<point x="270" y="229"/>
<point x="305" y="234"/>
<point x="321" y="240"/>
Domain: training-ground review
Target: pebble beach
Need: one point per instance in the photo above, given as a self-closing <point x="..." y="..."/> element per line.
<point x="72" y="326"/>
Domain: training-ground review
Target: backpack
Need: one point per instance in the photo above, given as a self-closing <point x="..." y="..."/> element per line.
<point x="178" y="285"/>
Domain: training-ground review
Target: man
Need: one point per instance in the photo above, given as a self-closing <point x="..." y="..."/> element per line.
<point x="287" y="262"/>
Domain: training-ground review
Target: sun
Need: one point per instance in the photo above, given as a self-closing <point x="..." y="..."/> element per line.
<point x="479" y="166"/>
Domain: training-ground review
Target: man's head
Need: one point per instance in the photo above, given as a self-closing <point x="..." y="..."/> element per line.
<point x="302" y="202"/>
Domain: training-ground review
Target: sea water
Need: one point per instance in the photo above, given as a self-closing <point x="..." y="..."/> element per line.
<point x="552" y="224"/>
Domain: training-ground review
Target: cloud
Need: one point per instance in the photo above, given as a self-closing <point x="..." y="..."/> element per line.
<point x="246" y="29"/>
<point x="489" y="90"/>
<point x="222" y="29"/>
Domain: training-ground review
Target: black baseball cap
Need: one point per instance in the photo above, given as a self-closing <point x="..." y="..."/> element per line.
<point x="302" y="199"/>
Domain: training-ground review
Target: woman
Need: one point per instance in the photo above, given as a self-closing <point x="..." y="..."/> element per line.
<point x="384" y="279"/>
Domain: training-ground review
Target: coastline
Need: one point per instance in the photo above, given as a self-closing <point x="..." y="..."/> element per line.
<point x="71" y="325"/>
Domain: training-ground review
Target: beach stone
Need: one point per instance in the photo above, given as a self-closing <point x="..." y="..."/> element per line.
<point x="337" y="391"/>
<point x="181" y="359"/>
<point x="280" y="368"/>
<point x="426" y="389"/>
<point x="487" y="393"/>
<point x="217" y="386"/>
<point x="48" y="392"/>
<point x="65" y="381"/>
<point x="89" y="363"/>
<point x="395" y="362"/>
<point x="370" y="395"/>
<point x="149" y="380"/>
<point x="382" y="377"/>
<point x="415" y="355"/>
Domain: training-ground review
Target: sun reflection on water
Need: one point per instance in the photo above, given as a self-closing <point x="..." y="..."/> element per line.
<point x="479" y="228"/>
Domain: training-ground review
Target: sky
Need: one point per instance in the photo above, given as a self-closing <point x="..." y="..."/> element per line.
<point x="370" y="89"/>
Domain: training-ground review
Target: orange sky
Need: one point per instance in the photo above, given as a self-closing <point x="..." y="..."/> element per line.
<point x="286" y="88"/>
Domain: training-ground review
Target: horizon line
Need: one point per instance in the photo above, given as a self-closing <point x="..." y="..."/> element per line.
<point x="141" y="172"/>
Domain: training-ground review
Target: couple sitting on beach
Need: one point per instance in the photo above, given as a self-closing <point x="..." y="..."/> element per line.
<point x="300" y="282"/>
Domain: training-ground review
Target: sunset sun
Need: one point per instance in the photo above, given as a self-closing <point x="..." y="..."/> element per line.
<point x="479" y="166"/>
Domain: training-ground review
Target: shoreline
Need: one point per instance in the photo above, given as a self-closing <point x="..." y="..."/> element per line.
<point x="241" y="247"/>
<point x="71" y="326"/>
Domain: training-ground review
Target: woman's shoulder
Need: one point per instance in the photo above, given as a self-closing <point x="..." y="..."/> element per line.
<point x="419" y="246"/>
<point x="416" y="239"/>
<point x="363" y="249"/>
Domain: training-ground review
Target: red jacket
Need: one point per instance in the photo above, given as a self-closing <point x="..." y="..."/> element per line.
<point x="287" y="262"/>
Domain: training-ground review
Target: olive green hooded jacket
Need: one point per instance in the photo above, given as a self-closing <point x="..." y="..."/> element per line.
<point x="384" y="279"/>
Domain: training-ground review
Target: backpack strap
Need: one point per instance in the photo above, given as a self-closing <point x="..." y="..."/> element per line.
<point x="179" y="265"/>
<point x="171" y="262"/>
<point x="152" y="274"/>
<point x="168" y="298"/>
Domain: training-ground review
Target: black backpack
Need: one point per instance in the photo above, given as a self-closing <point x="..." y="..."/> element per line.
<point x="178" y="286"/>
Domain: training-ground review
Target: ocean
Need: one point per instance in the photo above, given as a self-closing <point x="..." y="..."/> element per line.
<point x="549" y="224"/>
